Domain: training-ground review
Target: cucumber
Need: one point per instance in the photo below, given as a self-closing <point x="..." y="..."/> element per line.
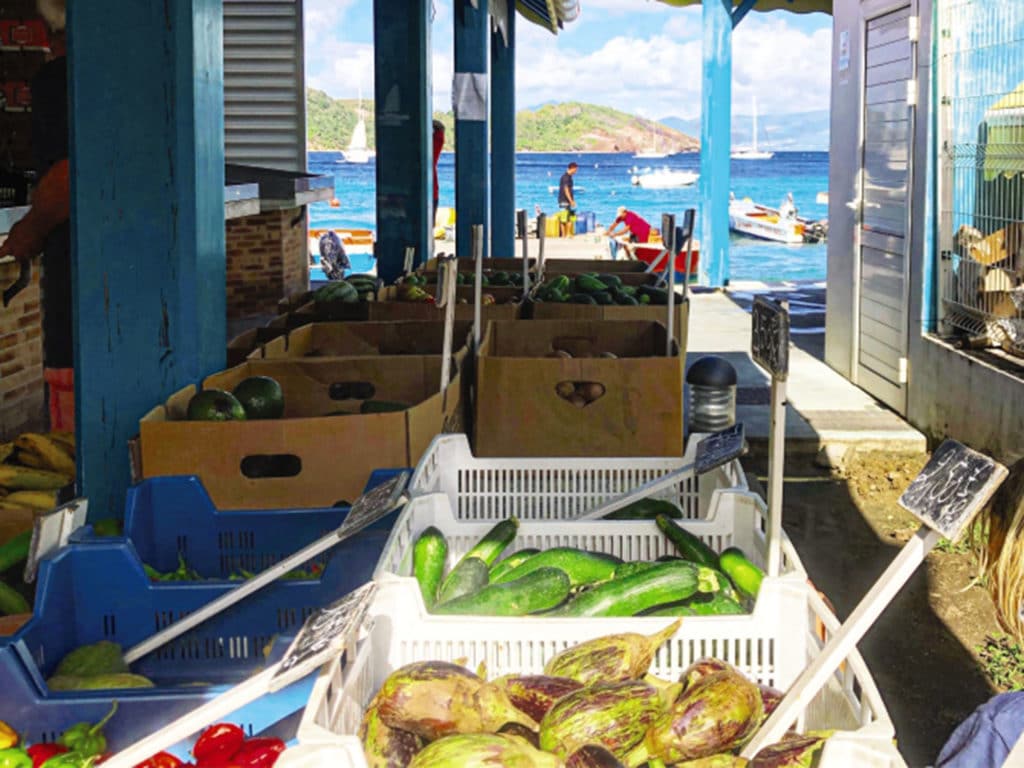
<point x="717" y="604"/>
<point x="646" y="509"/>
<point x="744" y="574"/>
<point x="628" y="596"/>
<point x="14" y="550"/>
<point x="686" y="544"/>
<point x="11" y="601"/>
<point x="490" y="547"/>
<point x="636" y="566"/>
<point x="580" y="566"/>
<point x="539" y="590"/>
<point x="469" y="576"/>
<point x="507" y="564"/>
<point x="429" y="554"/>
<point x="612" y="281"/>
<point x="581" y="298"/>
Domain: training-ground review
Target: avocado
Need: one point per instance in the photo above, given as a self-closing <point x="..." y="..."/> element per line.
<point x="215" y="405"/>
<point x="261" y="396"/>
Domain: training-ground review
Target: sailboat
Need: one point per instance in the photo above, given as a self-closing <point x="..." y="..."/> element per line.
<point x="357" y="151"/>
<point x="652" y="153"/>
<point x="752" y="152"/>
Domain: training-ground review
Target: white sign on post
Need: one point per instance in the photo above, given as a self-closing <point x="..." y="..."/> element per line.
<point x="448" y="302"/>
<point x="51" y="531"/>
<point x="952" y="488"/>
<point x="368" y="509"/>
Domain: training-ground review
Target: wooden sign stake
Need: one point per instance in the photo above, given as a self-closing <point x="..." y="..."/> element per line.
<point x="689" y="217"/>
<point x="477" y="244"/>
<point x="368" y="508"/>
<point x="449" y="276"/>
<point x="521" y="223"/>
<point x="542" y="236"/>
<point x="668" y="228"/>
<point x="952" y="488"/>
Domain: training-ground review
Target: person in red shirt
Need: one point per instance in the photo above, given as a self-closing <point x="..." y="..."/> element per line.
<point x="633" y="225"/>
<point x="438" y="146"/>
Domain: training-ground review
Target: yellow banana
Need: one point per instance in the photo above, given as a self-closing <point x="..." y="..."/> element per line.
<point x="29" y="459"/>
<point x="65" y="440"/>
<point x="54" y="458"/>
<point x="44" y="500"/>
<point x="6" y="506"/>
<point x="25" y="479"/>
<point x="6" y="450"/>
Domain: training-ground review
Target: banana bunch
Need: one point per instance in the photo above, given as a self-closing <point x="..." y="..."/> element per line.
<point x="34" y="468"/>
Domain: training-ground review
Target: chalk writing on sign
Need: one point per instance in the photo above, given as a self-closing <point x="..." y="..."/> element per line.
<point x="718" y="449"/>
<point x="373" y="505"/>
<point x="324" y="634"/>
<point x="769" y="343"/>
<point x="954" y="485"/>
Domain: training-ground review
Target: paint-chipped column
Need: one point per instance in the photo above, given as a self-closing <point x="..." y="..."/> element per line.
<point x="503" y="132"/>
<point x="146" y="84"/>
<point x="715" y="144"/>
<point x="470" y="101"/>
<point x="403" y="133"/>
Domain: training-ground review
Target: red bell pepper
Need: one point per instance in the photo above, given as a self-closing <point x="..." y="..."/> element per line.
<point x="160" y="760"/>
<point x="218" y="743"/>
<point x="40" y="753"/>
<point x="258" y="753"/>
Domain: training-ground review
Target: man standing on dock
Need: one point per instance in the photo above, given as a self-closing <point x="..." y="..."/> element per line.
<point x="566" y="200"/>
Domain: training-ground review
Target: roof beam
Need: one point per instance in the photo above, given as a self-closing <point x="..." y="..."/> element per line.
<point x="741" y="10"/>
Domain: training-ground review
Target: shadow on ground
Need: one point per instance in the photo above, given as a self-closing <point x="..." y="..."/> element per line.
<point x="806" y="311"/>
<point x="929" y="680"/>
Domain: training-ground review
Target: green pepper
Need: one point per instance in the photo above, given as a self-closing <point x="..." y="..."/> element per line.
<point x="85" y="738"/>
<point x="15" y="757"/>
<point x="71" y="760"/>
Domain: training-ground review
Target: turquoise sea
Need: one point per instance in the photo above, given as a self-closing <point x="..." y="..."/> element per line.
<point x="603" y="184"/>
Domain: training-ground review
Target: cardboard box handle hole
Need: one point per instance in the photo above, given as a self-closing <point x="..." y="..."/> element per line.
<point x="266" y="465"/>
<point x="580" y="393"/>
<point x="351" y="390"/>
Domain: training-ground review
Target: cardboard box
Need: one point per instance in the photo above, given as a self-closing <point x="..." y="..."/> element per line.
<point x="360" y="339"/>
<point x="519" y="413"/>
<point x="987" y="289"/>
<point x="549" y="310"/>
<point x="243" y="345"/>
<point x="327" y="458"/>
<point x="607" y="266"/>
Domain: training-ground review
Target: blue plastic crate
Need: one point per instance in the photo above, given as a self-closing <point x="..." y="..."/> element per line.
<point x="581" y="224"/>
<point x="166" y="516"/>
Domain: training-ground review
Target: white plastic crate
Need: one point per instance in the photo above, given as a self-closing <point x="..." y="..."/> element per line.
<point x="735" y="519"/>
<point x="557" y="488"/>
<point x="771" y="647"/>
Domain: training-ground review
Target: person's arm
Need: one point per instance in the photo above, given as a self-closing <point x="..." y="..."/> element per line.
<point x="51" y="206"/>
<point x="571" y="196"/>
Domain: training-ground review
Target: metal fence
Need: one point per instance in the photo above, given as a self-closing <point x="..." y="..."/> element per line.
<point x="981" y="170"/>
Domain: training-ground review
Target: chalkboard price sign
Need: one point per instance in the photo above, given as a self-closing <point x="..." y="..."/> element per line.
<point x="769" y="344"/>
<point x="952" y="488"/>
<point x="718" y="449"/>
<point x="373" y="505"/>
<point x="324" y="634"/>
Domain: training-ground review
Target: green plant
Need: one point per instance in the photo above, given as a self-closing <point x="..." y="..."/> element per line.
<point x="1002" y="658"/>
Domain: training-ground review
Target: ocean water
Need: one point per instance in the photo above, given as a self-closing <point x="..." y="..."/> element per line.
<point x="603" y="184"/>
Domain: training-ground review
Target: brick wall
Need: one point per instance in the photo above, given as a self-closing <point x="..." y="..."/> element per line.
<point x="22" y="394"/>
<point x="267" y="259"/>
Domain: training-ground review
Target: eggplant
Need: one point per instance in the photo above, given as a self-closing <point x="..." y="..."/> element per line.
<point x="524" y="733"/>
<point x="724" y="760"/>
<point x="534" y="694"/>
<point x="770" y="698"/>
<point x="436" y="698"/>
<point x="702" y="668"/>
<point x="386" y="747"/>
<point x="612" y="658"/>
<point x="795" y="751"/>
<point x="718" y="713"/>
<point x="593" y="756"/>
<point x="482" y="750"/>
<point x="615" y="716"/>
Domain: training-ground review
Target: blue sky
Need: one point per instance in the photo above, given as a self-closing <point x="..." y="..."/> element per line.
<point x="640" y="56"/>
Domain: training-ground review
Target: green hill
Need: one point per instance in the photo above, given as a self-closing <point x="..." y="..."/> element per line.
<point x="570" y="126"/>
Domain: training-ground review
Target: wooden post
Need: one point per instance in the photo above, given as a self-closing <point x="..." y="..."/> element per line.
<point x="503" y="138"/>
<point x="715" y="144"/>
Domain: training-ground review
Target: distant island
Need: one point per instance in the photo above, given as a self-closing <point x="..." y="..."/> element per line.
<point x="565" y="127"/>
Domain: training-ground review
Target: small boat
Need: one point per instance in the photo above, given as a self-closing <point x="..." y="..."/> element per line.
<point x="780" y="225"/>
<point x="752" y="152"/>
<point x="358" y="152"/>
<point x="653" y="253"/>
<point x="665" y="179"/>
<point x="653" y="153"/>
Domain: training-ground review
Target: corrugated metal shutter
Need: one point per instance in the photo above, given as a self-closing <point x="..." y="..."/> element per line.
<point x="264" y="84"/>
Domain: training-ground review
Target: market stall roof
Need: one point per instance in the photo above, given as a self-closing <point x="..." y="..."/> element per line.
<point x="797" y="6"/>
<point x="550" y="14"/>
<point x="1005" y="137"/>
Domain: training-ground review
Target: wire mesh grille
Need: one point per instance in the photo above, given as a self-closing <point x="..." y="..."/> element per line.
<point x="981" y="123"/>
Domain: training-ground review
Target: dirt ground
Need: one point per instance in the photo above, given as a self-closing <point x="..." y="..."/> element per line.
<point x="923" y="650"/>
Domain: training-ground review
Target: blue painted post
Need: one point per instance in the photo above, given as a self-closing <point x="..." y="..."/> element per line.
<point x="715" y="141"/>
<point x="405" y="201"/>
<point x="470" y="100"/>
<point x="503" y="140"/>
<point x="147" y="201"/>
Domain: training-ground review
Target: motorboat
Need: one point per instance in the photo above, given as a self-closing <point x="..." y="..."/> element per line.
<point x="780" y="225"/>
<point x="665" y="178"/>
<point x="752" y="152"/>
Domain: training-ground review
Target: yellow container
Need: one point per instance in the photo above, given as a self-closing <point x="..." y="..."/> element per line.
<point x="551" y="226"/>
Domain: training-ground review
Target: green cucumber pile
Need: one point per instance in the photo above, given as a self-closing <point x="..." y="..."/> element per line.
<point x="593" y="288"/>
<point x="572" y="582"/>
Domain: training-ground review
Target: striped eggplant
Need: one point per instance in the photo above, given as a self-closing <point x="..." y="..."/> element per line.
<point x="792" y="752"/>
<point x="702" y="668"/>
<point x="526" y="734"/>
<point x="386" y="747"/>
<point x="483" y="750"/>
<point x="534" y="694"/>
<point x="718" y="713"/>
<point x="770" y="698"/>
<point x="724" y="760"/>
<point x="613" y="715"/>
<point x="593" y="756"/>
<point x="611" y="658"/>
<point x="436" y="698"/>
